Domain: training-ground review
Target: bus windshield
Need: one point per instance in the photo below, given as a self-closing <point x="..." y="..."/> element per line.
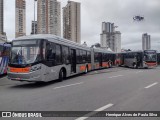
<point x="150" y="56"/>
<point x="25" y="54"/>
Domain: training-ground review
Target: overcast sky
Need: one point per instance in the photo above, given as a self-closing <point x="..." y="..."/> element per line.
<point x="94" y="12"/>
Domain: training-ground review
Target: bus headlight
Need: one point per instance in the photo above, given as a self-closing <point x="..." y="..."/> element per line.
<point x="34" y="68"/>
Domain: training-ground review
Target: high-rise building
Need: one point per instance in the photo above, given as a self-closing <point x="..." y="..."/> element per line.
<point x="20" y="18"/>
<point x="34" y="27"/>
<point x="72" y="21"/>
<point x="146" y="41"/>
<point x="107" y="27"/>
<point x="3" y="37"/>
<point x="117" y="37"/>
<point x="1" y="17"/>
<point x="49" y="17"/>
<point x="110" y="38"/>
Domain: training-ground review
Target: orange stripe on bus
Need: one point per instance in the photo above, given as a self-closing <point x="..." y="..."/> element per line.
<point x="19" y="70"/>
<point x="97" y="65"/>
<point x="82" y="68"/>
<point x="89" y="66"/>
<point x="151" y="64"/>
<point x="105" y="64"/>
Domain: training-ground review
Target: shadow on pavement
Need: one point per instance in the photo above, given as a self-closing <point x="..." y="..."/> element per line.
<point x="34" y="85"/>
<point x="28" y="85"/>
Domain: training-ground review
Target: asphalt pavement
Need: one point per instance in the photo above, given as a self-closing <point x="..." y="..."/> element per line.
<point x="114" y="89"/>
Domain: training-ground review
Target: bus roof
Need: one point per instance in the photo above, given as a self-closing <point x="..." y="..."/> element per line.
<point x="136" y="51"/>
<point x="50" y="37"/>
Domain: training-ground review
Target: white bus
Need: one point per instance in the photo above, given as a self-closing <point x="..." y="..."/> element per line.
<point x="44" y="58"/>
<point x="138" y="59"/>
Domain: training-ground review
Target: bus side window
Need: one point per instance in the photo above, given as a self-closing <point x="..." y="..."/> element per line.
<point x="58" y="55"/>
<point x="103" y="57"/>
<point x="47" y="51"/>
<point x="88" y="57"/>
<point x="95" y="57"/>
<point x="50" y="56"/>
<point x="78" y="55"/>
<point x="84" y="56"/>
<point x="65" y="55"/>
<point x="81" y="56"/>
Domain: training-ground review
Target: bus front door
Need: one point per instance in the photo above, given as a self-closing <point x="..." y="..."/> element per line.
<point x="73" y="61"/>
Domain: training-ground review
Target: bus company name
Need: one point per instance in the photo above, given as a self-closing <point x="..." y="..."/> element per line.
<point x="37" y="115"/>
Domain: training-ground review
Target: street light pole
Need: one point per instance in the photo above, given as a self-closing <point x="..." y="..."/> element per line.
<point x="34" y="18"/>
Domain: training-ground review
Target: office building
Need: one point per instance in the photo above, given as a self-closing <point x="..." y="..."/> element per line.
<point x="1" y="17"/>
<point x="20" y="18"/>
<point x="146" y="41"/>
<point x="117" y="42"/>
<point x="49" y="17"/>
<point x="34" y="27"/>
<point x="72" y="21"/>
<point x="110" y="38"/>
<point x="3" y="37"/>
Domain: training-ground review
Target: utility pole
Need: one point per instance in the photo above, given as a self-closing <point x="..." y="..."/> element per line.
<point x="34" y="18"/>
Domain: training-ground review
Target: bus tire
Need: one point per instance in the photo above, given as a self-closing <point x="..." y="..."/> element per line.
<point x="61" y="75"/>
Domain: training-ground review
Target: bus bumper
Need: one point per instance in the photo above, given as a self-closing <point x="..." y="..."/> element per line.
<point x="150" y="65"/>
<point x="30" y="77"/>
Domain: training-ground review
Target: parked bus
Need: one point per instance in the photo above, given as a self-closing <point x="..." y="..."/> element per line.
<point x="158" y="58"/>
<point x="4" y="57"/>
<point x="48" y="57"/>
<point x="137" y="59"/>
<point x="102" y="58"/>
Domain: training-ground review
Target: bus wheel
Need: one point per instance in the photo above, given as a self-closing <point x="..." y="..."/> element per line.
<point x="61" y="75"/>
<point x="86" y="70"/>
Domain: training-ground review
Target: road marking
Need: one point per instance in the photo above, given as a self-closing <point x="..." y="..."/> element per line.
<point x="68" y="85"/>
<point x="95" y="111"/>
<point x="152" y="85"/>
<point x="115" y="76"/>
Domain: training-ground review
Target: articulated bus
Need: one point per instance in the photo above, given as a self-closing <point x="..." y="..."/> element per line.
<point x="4" y="57"/>
<point x="102" y="58"/>
<point x="138" y="59"/>
<point x="38" y="58"/>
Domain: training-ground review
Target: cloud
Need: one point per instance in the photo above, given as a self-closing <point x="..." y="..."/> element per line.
<point x="94" y="12"/>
